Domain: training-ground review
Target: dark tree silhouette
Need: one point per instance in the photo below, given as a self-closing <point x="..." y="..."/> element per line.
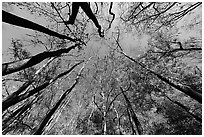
<point x="183" y="88"/>
<point x="15" y="97"/>
<point x="85" y="6"/>
<point x="7" y="68"/>
<point x="99" y="102"/>
<point x="18" y="21"/>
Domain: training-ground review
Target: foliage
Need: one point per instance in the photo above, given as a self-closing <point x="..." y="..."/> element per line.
<point x="106" y="86"/>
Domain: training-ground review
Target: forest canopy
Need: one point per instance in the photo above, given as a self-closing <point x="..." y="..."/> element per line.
<point x="102" y="68"/>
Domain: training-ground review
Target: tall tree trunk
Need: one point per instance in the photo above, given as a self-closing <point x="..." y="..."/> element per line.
<point x="52" y="111"/>
<point x="15" y="115"/>
<point x="10" y="101"/>
<point x="186" y="109"/>
<point x="133" y="115"/>
<point x="185" y="89"/>
<point x="9" y="68"/>
<point x="18" y="21"/>
<point x="104" y="114"/>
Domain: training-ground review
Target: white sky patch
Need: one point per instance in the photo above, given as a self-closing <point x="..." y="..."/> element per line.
<point x="10" y="31"/>
<point x="134" y="45"/>
<point x="187" y="31"/>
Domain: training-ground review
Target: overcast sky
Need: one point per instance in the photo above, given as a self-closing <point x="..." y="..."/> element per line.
<point x="133" y="45"/>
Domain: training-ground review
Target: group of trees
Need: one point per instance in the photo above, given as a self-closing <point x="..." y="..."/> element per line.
<point x="84" y="84"/>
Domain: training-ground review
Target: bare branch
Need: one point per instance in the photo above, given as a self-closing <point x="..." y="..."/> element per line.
<point x="60" y="16"/>
<point x="110" y="12"/>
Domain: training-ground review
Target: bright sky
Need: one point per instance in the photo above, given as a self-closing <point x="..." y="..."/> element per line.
<point x="11" y="31"/>
<point x="133" y="45"/>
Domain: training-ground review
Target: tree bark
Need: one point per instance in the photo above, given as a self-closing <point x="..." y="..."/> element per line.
<point x="185" y="89"/>
<point x="52" y="111"/>
<point x="8" y="68"/>
<point x="10" y="101"/>
<point x="131" y="112"/>
<point x="15" y="115"/>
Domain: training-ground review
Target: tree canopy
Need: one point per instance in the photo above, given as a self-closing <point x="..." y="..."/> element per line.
<point x="143" y="77"/>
